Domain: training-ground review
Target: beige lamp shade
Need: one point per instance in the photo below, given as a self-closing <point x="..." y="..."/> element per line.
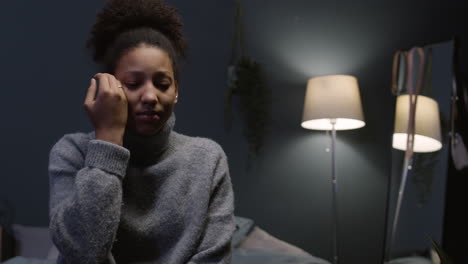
<point x="332" y="97"/>
<point x="427" y="136"/>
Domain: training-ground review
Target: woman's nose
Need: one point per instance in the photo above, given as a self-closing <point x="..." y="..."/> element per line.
<point x="149" y="95"/>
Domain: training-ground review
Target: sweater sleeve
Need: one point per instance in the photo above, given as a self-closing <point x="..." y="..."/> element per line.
<point x="215" y="245"/>
<point x="85" y="198"/>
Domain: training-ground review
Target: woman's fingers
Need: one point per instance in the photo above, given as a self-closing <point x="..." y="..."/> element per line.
<point x="108" y="83"/>
<point x="115" y="83"/>
<point x="104" y="86"/>
<point x="91" y="93"/>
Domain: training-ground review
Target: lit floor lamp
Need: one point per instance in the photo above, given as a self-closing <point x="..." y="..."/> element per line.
<point x="332" y="102"/>
<point x="427" y="138"/>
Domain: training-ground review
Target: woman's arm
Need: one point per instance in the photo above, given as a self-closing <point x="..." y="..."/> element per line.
<point x="85" y="198"/>
<point x="215" y="245"/>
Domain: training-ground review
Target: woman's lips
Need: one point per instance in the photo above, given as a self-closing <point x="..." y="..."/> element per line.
<point x="147" y="117"/>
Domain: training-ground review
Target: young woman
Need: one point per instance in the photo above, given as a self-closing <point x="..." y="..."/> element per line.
<point x="134" y="190"/>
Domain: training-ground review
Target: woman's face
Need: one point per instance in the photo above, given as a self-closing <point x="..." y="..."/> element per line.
<point x="148" y="79"/>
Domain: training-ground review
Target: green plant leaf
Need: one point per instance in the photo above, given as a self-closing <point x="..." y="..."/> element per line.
<point x="246" y="81"/>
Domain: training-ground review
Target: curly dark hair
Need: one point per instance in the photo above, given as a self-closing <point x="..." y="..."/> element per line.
<point x="125" y="24"/>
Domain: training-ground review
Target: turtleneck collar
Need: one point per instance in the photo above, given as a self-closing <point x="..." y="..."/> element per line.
<point x="145" y="150"/>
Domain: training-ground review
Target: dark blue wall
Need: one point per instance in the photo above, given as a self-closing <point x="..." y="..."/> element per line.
<point x="45" y="72"/>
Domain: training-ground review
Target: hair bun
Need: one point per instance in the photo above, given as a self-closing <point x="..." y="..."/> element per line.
<point x="118" y="16"/>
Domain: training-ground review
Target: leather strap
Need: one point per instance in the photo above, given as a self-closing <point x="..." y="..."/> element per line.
<point x="413" y="93"/>
<point x="395" y="72"/>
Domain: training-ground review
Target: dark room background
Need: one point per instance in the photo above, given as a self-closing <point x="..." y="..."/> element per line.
<point x="45" y="71"/>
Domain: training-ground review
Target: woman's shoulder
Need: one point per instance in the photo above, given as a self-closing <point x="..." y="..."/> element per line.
<point x="202" y="153"/>
<point x="72" y="142"/>
<point x="204" y="144"/>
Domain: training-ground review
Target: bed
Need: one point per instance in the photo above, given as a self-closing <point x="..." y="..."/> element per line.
<point x="250" y="243"/>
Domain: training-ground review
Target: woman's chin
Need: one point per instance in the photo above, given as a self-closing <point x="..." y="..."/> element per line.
<point x="144" y="128"/>
<point x="147" y="130"/>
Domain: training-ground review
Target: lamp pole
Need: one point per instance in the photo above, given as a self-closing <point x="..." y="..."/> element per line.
<point x="401" y="192"/>
<point x="335" y="191"/>
<point x="328" y="98"/>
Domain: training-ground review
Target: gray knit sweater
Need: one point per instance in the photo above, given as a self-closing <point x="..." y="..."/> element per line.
<point x="161" y="199"/>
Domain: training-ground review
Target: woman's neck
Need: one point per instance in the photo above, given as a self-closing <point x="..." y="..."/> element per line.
<point x="145" y="150"/>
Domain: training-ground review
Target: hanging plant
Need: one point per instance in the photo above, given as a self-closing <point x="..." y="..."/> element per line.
<point x="245" y="79"/>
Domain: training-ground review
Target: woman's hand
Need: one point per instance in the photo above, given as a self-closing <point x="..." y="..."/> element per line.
<point x="107" y="108"/>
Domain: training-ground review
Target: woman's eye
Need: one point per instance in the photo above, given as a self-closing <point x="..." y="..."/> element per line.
<point x="131" y="85"/>
<point x="164" y="86"/>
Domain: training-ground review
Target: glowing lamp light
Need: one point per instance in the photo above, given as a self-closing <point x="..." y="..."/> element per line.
<point x="332" y="97"/>
<point x="427" y="136"/>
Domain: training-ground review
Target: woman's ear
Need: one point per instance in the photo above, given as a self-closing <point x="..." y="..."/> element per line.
<point x="176" y="94"/>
